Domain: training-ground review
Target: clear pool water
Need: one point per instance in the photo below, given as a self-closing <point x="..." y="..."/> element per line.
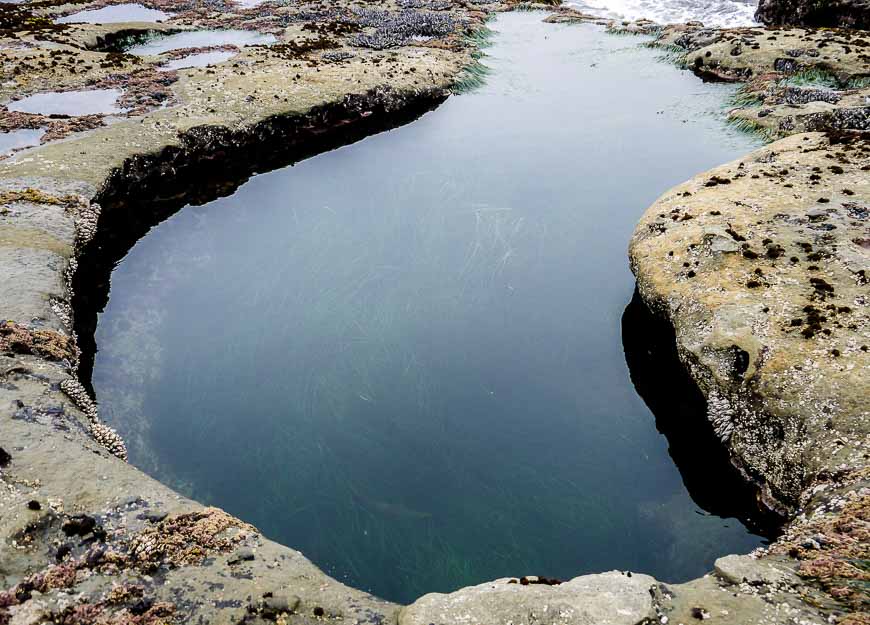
<point x="404" y="357"/>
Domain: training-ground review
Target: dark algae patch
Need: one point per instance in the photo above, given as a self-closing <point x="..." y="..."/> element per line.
<point x="404" y="357"/>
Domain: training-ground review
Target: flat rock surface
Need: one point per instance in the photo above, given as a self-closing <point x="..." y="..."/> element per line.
<point x="607" y="599"/>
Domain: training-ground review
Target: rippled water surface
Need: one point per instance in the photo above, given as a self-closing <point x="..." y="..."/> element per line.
<point x="404" y="356"/>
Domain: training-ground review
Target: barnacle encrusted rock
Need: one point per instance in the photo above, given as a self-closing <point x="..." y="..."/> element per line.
<point x="774" y="326"/>
<point x="186" y="539"/>
<point x="738" y="54"/>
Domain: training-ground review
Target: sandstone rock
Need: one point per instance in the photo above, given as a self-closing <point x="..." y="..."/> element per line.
<point x="739" y="569"/>
<point x="741" y="54"/>
<point x="776" y="336"/>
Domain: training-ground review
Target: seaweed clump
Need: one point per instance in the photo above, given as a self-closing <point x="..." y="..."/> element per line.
<point x="834" y="553"/>
<point x="47" y="344"/>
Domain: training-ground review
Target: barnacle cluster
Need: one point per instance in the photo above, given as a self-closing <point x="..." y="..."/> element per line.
<point x="721" y="414"/>
<point x="334" y="57"/>
<point x="110" y="439"/>
<point x="102" y="433"/>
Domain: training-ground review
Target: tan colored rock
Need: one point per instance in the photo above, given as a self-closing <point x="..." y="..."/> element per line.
<point x="607" y="599"/>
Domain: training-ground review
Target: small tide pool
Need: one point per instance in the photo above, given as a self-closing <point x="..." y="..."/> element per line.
<point x="69" y="103"/>
<point x="114" y="14"/>
<point x="200" y="39"/>
<point x="19" y="139"/>
<point x="200" y="59"/>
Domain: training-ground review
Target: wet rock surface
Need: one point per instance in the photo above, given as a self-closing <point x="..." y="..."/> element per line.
<point x="87" y="538"/>
<point x="841" y="13"/>
<point x="760" y="266"/>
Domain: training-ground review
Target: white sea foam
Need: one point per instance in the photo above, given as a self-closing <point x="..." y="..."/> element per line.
<point x="718" y="13"/>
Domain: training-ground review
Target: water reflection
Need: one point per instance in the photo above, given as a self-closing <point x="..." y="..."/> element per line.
<point x="17" y="139"/>
<point x="203" y="59"/>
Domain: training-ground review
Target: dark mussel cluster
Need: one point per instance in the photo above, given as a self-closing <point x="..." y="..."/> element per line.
<point x="398" y="28"/>
<point x="429" y="5"/>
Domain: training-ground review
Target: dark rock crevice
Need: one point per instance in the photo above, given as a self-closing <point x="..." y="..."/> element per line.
<point x="680" y="411"/>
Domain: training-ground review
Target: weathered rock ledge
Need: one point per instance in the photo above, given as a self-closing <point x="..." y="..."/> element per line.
<point x="86" y="538"/>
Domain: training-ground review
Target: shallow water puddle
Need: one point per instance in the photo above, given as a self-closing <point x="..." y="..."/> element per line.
<point x="115" y="14"/>
<point x="202" y="59"/>
<point x="17" y="139"/>
<point x="71" y="103"/>
<point x="201" y="39"/>
<point x="404" y="357"/>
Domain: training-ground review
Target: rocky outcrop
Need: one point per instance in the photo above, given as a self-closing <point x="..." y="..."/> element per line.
<point x="794" y="79"/>
<point x="824" y="13"/>
<point x="743" y="54"/>
<point x="761" y="266"/>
